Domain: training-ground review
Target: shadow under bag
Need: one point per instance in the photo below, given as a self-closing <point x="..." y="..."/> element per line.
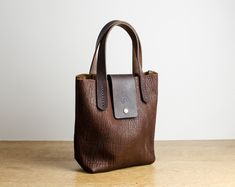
<point x="115" y="114"/>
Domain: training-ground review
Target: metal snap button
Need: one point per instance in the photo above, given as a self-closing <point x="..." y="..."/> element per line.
<point x="125" y="110"/>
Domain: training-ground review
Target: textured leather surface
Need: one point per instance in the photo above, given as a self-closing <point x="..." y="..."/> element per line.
<point x="101" y="141"/>
<point x="123" y="94"/>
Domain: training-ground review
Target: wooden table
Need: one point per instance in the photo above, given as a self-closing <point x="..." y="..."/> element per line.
<point x="179" y="164"/>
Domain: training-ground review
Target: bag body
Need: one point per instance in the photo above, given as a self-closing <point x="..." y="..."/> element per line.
<point x="115" y="114"/>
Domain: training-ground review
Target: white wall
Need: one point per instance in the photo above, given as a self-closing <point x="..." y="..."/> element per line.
<point x="44" y="44"/>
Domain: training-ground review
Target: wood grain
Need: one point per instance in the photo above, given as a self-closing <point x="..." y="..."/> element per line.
<point x="179" y="164"/>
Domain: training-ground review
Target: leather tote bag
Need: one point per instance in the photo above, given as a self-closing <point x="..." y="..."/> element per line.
<point x="115" y="114"/>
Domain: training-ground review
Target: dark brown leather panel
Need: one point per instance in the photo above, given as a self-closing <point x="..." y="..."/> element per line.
<point x="123" y="94"/>
<point x="103" y="143"/>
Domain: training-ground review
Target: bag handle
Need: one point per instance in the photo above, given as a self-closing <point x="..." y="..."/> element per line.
<point x="101" y="76"/>
<point x="103" y="32"/>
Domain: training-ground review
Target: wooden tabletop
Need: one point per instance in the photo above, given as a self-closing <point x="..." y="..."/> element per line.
<point x="178" y="164"/>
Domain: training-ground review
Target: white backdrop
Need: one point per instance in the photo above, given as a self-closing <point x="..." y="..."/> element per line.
<point x="44" y="44"/>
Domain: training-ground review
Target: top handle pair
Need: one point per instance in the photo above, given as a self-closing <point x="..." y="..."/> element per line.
<point x="137" y="51"/>
<point x="98" y="65"/>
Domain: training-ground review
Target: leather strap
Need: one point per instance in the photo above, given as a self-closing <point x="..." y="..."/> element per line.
<point x="104" y="32"/>
<point x="101" y="77"/>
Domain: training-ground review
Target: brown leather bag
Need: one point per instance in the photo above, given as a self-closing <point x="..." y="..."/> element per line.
<point x="115" y="114"/>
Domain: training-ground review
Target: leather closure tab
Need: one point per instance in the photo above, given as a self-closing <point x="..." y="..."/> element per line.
<point x="123" y="93"/>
